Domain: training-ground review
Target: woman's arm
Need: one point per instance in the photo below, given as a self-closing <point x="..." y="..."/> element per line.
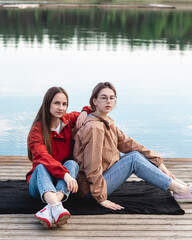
<point x="127" y="144"/>
<point x="81" y="119"/>
<point x="78" y="118"/>
<point x="166" y="171"/>
<point x="41" y="155"/>
<point x="93" y="168"/>
<point x="92" y="141"/>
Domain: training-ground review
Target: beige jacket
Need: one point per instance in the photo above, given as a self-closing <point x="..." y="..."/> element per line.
<point x="97" y="148"/>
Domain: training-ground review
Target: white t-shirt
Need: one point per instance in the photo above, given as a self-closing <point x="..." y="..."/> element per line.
<point x="59" y="127"/>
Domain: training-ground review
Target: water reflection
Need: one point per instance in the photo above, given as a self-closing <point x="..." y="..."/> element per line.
<point x="145" y="54"/>
<point x="92" y="25"/>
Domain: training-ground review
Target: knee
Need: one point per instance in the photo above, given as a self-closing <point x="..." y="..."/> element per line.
<point x="72" y="164"/>
<point x="40" y="167"/>
<point x="72" y="167"/>
<point x="136" y="156"/>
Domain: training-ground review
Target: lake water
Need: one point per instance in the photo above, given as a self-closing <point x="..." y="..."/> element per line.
<point x="147" y="55"/>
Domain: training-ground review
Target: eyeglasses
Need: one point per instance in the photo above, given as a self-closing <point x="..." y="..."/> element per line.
<point x="105" y="99"/>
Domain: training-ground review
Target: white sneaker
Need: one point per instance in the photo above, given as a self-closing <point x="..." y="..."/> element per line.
<point x="184" y="197"/>
<point x="60" y="214"/>
<point x="45" y="216"/>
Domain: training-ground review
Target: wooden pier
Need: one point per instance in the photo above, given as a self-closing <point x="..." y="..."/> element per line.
<point x="128" y="226"/>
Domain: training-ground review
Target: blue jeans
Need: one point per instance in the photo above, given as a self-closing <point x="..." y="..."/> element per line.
<point x="134" y="162"/>
<point x="41" y="181"/>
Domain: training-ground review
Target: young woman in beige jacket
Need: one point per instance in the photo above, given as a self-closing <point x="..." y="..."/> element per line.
<point x="97" y="151"/>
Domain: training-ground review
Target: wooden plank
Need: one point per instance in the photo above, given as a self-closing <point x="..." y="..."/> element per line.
<point x="93" y="237"/>
<point x="55" y="232"/>
<point x="104" y="222"/>
<point x="47" y="236"/>
<point x="91" y="227"/>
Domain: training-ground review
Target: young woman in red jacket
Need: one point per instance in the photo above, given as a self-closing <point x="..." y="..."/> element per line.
<point x="50" y="147"/>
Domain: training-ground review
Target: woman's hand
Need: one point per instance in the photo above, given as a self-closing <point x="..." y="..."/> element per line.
<point x="81" y="119"/>
<point x="111" y="205"/>
<point x="166" y="171"/>
<point x="72" y="185"/>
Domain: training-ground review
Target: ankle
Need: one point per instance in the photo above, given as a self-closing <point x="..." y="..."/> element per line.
<point x="183" y="189"/>
<point x="60" y="195"/>
<point x="54" y="205"/>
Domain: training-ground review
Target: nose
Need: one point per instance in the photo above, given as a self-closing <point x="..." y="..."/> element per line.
<point x="61" y="106"/>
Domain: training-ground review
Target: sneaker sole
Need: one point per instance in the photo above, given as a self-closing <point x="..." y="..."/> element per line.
<point x="44" y="222"/>
<point x="63" y="219"/>
<point x="184" y="200"/>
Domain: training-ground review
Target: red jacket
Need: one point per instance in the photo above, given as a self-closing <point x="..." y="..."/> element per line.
<point x="62" y="146"/>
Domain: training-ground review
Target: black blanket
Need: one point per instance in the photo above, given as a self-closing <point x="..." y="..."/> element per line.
<point x="136" y="197"/>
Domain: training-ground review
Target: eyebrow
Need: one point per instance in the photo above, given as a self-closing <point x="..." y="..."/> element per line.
<point x="107" y="95"/>
<point x="56" y="101"/>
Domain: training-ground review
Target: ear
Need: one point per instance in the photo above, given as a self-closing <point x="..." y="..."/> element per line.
<point x="95" y="101"/>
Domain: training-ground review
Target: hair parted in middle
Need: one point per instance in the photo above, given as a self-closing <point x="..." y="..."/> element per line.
<point x="96" y="91"/>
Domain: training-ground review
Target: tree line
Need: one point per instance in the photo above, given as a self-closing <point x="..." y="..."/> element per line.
<point x="135" y="27"/>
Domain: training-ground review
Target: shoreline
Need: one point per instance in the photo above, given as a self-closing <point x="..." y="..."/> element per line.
<point x="104" y="6"/>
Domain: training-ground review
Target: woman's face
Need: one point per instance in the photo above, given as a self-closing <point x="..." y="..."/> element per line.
<point x="58" y="105"/>
<point x="105" y="101"/>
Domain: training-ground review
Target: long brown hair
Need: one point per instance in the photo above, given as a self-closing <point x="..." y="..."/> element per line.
<point x="96" y="91"/>
<point x="44" y="116"/>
